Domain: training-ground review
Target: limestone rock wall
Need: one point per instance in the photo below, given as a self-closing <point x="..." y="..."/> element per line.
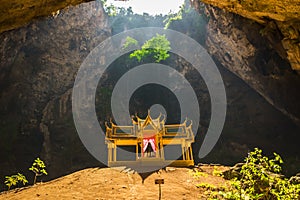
<point x="261" y="50"/>
<point x="256" y="52"/>
<point x="38" y="65"/>
<point x="275" y="15"/>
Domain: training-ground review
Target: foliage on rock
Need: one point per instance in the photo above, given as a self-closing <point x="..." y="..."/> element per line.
<point x="258" y="178"/>
<point x="188" y="21"/>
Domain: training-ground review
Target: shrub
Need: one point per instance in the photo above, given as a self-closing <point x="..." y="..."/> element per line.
<point x="38" y="168"/>
<point x="14" y="180"/>
<point x="260" y="179"/>
<point x="197" y="174"/>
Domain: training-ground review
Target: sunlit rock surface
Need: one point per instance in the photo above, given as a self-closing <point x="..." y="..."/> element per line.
<point x="276" y="16"/>
<point x="261" y="11"/>
<point x="238" y="44"/>
<point x="15" y="13"/>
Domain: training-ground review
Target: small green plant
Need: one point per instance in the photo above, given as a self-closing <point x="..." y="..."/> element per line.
<point x="211" y="191"/>
<point x="206" y="186"/>
<point x="21" y="178"/>
<point x="14" y="180"/>
<point x="38" y="168"/>
<point x="197" y="174"/>
<point x="10" y="181"/>
<point x="216" y="172"/>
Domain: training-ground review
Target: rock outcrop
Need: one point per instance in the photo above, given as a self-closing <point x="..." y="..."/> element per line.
<point x="14" y="13"/>
<point x="276" y="16"/>
<point x="295" y="179"/>
<point x="264" y="52"/>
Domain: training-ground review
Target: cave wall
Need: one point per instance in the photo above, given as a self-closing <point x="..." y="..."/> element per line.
<point x="38" y="64"/>
<point x="241" y="47"/>
<point x="255" y="50"/>
<point x="279" y="17"/>
<point x="260" y="84"/>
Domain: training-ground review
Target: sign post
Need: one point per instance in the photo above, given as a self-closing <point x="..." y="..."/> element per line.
<point x="159" y="182"/>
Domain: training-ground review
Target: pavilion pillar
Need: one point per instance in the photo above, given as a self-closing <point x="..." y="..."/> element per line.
<point x="191" y="152"/>
<point x="115" y="152"/>
<point x="137" y="151"/>
<point x="109" y="152"/>
<point x="183" y="149"/>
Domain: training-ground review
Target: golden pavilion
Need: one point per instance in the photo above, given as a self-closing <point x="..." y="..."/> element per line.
<point x="149" y="137"/>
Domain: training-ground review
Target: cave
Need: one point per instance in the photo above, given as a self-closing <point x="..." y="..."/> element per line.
<point x="43" y="45"/>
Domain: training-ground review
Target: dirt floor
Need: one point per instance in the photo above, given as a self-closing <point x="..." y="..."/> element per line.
<point x="113" y="183"/>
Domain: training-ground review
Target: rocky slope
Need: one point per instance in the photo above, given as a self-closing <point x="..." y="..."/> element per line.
<point x="106" y="184"/>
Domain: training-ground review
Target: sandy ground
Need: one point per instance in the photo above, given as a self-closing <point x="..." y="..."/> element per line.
<point x="106" y="183"/>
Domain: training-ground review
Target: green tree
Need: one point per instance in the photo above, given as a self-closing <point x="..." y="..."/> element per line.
<point x="157" y="47"/>
<point x="38" y="168"/>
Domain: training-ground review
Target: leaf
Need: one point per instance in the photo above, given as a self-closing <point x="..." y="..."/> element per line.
<point x="130" y="43"/>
